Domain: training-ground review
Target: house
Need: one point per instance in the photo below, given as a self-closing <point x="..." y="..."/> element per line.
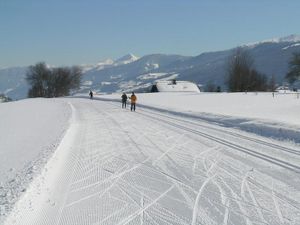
<point x="283" y="89"/>
<point x="174" y="86"/>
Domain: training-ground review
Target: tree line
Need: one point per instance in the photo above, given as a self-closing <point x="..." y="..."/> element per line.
<point x="52" y="82"/>
<point x="243" y="76"/>
<point x="294" y="68"/>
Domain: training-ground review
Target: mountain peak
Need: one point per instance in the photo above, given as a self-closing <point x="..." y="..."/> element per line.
<point x="105" y="62"/>
<point x="290" y="38"/>
<point x="126" y="59"/>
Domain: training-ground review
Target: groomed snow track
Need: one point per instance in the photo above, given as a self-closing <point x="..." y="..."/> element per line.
<point x="149" y="167"/>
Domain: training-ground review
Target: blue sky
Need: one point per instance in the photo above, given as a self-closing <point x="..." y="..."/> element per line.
<point x="69" y="32"/>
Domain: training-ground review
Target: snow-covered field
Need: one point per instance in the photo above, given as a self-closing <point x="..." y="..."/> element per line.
<point x="179" y="159"/>
<point x="283" y="108"/>
<point x="261" y="113"/>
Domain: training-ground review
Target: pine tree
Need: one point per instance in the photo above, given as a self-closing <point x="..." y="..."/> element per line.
<point x="294" y="68"/>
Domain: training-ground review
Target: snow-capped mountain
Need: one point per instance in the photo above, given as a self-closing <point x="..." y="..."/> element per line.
<point x="271" y="58"/>
<point x="98" y="66"/>
<point x="291" y="38"/>
<point x="129" y="58"/>
<point x="124" y="76"/>
<point x="133" y="73"/>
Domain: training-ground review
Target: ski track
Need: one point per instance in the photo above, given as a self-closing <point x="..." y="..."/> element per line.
<point x="149" y="167"/>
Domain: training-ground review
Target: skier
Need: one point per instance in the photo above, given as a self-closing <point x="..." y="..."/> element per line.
<point x="133" y="99"/>
<point x="124" y="100"/>
<point x="91" y="94"/>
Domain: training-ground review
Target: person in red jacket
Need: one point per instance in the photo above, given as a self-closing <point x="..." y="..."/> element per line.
<point x="133" y="99"/>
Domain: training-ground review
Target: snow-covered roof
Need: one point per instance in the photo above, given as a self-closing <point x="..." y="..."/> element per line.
<point x="176" y="86"/>
<point x="282" y="88"/>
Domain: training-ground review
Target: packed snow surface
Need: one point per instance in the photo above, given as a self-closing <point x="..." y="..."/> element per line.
<point x="29" y="133"/>
<point x="159" y="165"/>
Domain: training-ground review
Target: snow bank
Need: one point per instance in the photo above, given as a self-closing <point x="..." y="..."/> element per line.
<point x="29" y="133"/>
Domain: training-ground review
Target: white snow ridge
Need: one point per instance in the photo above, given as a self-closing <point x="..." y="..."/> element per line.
<point x="179" y="159"/>
<point x="291" y="38"/>
<point x="129" y="58"/>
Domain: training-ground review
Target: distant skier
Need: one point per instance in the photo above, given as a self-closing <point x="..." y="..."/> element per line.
<point x="133" y="99"/>
<point x="91" y="94"/>
<point x="124" y="100"/>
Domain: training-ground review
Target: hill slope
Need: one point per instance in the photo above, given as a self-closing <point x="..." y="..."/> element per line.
<point x="133" y="73"/>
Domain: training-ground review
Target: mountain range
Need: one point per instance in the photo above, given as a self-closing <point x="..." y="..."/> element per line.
<point x="133" y="73"/>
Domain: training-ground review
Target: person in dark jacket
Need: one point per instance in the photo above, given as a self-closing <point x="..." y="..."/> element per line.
<point x="124" y="100"/>
<point x="91" y="94"/>
<point x="133" y="99"/>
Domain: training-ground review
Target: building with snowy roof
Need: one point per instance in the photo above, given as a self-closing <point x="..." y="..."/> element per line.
<point x="174" y="86"/>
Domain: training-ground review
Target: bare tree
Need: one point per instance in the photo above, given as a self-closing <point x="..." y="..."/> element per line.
<point x="242" y="75"/>
<point x="53" y="82"/>
<point x="38" y="76"/>
<point x="272" y="83"/>
<point x="240" y="64"/>
<point x="76" y="72"/>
